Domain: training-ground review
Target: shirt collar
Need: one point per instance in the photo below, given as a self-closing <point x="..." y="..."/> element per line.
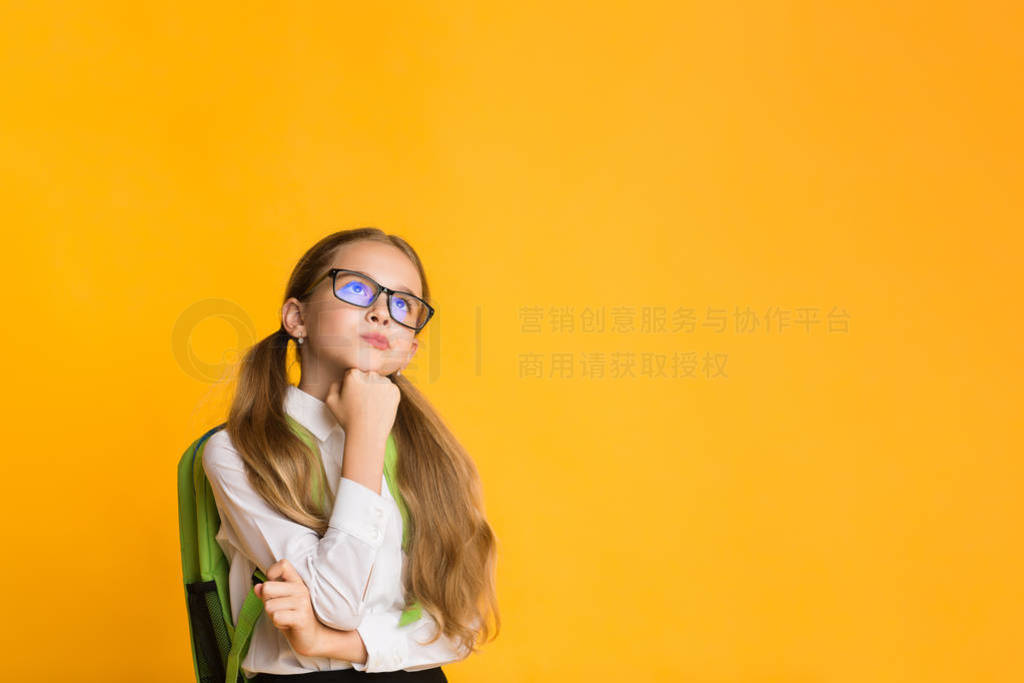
<point x="309" y="411"/>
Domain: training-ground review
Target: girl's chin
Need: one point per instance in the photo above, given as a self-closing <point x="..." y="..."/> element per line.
<point x="369" y="366"/>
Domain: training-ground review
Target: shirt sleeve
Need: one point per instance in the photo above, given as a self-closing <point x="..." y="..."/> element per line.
<point x="390" y="647"/>
<point x="336" y="568"/>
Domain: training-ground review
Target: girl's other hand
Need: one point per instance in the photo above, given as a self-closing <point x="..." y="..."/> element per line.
<point x="288" y="606"/>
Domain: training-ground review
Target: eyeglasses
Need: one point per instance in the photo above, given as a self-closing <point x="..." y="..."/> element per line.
<point x="359" y="289"/>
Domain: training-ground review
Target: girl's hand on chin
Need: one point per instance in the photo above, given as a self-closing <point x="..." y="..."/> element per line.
<point x="365" y="403"/>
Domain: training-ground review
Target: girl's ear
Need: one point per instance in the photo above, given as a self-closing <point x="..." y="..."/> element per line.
<point x="291" y="317"/>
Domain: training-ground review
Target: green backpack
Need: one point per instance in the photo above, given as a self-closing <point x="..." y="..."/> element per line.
<point x="218" y="644"/>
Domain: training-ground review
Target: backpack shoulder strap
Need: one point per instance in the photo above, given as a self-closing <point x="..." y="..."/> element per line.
<point x="252" y="608"/>
<point x="391" y="475"/>
<point x="414" y="611"/>
<point x="320" y="475"/>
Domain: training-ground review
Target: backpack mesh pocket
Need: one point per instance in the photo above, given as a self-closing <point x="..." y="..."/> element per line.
<point x="209" y="633"/>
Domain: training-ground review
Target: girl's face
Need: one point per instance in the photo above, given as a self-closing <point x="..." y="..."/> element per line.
<point x="335" y="330"/>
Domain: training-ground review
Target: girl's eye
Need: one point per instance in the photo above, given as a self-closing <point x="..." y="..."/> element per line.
<point x="356" y="291"/>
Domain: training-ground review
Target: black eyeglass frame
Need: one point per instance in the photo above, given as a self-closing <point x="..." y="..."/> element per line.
<point x="333" y="274"/>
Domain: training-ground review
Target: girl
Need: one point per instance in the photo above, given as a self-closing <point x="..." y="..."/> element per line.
<point x="341" y="587"/>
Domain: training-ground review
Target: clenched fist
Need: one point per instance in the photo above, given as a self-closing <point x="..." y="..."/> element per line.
<point x="288" y="606"/>
<point x="364" y="403"/>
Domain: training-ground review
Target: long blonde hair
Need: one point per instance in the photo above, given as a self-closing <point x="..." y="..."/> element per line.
<point x="452" y="550"/>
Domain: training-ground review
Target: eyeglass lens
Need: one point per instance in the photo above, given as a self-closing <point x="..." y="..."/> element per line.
<point x="359" y="291"/>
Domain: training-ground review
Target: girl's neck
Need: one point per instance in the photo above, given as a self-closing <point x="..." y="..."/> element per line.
<point x="318" y="391"/>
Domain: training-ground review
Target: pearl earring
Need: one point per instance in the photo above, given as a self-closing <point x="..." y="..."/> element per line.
<point x="299" y="340"/>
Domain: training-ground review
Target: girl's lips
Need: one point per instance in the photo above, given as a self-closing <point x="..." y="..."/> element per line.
<point x="375" y="340"/>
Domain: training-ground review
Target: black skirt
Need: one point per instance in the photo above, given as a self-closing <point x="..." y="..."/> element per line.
<point x="434" y="675"/>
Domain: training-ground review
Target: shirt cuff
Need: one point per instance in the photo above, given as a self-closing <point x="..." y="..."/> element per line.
<point x="360" y="512"/>
<point x="384" y="651"/>
<point x="390" y="647"/>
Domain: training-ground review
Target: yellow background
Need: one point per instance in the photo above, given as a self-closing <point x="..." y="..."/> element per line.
<point x="842" y="506"/>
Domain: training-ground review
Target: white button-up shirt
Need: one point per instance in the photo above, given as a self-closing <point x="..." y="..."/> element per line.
<point x="353" y="573"/>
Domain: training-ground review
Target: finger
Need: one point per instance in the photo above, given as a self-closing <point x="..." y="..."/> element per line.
<point x="269" y="590"/>
<point x="279" y="571"/>
<point x="280" y="589"/>
<point x="285" y="618"/>
<point x="285" y="603"/>
<point x="288" y="573"/>
<point x="275" y="570"/>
